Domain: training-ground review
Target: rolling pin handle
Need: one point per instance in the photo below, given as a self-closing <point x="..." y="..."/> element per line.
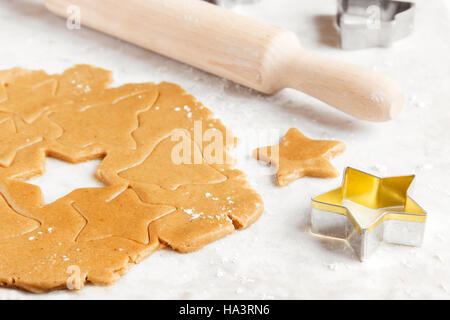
<point x="356" y="90"/>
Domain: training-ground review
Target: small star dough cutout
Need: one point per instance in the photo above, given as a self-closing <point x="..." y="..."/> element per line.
<point x="298" y="156"/>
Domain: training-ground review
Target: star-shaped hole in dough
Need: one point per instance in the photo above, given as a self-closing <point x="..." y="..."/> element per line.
<point x="298" y="156"/>
<point x="56" y="182"/>
<point x="110" y="212"/>
<point x="11" y="140"/>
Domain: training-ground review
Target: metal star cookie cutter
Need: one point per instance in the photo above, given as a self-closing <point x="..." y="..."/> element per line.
<point x="367" y="211"/>
<point x="373" y="23"/>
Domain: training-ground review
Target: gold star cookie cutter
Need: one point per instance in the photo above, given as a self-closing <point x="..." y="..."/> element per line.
<point x="368" y="210"/>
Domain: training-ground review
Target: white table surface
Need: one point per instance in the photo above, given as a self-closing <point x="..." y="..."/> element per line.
<point x="277" y="257"/>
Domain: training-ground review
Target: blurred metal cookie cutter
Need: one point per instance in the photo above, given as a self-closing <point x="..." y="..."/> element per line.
<point x="367" y="211"/>
<point x="373" y="23"/>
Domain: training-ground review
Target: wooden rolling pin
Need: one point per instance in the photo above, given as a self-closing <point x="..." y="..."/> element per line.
<point x="258" y="55"/>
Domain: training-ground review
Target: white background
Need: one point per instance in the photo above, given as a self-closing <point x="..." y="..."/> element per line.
<point x="277" y="257"/>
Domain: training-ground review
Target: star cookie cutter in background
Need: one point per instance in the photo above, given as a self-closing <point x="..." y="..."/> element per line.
<point x="373" y="23"/>
<point x="367" y="210"/>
